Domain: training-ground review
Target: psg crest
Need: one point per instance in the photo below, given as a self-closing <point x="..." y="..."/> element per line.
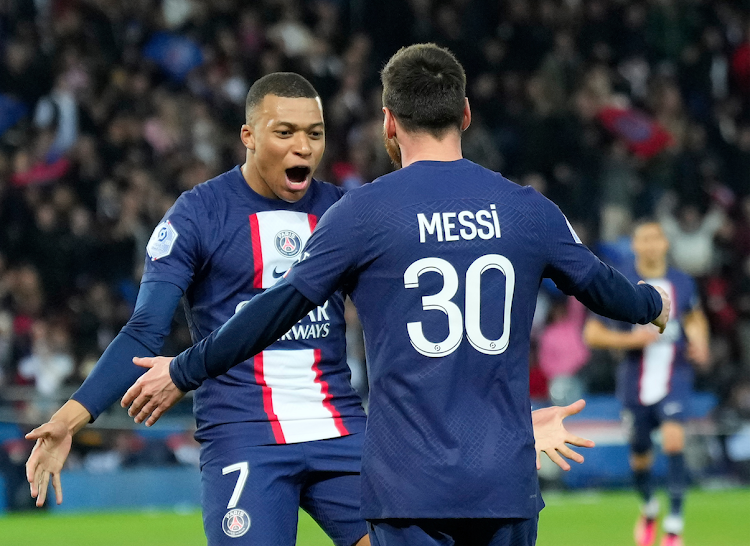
<point x="288" y="243"/>
<point x="235" y="523"/>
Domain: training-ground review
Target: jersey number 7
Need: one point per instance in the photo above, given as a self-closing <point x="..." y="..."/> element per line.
<point x="457" y="320"/>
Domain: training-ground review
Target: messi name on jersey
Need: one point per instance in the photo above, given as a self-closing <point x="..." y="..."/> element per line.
<point x="452" y="226"/>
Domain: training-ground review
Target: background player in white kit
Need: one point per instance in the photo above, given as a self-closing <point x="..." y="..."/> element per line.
<point x="655" y="379"/>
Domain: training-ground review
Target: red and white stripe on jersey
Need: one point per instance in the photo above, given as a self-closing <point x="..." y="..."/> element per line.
<point x="295" y="398"/>
<point x="269" y="263"/>
<point x="657" y="359"/>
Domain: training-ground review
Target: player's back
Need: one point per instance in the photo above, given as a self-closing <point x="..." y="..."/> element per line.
<point x="446" y="292"/>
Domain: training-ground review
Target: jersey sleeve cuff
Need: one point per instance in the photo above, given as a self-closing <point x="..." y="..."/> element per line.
<point x="656" y="304"/>
<point x="94" y="412"/>
<point x="179" y="377"/>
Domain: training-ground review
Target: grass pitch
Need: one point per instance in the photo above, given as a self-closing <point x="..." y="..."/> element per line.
<point x="714" y="518"/>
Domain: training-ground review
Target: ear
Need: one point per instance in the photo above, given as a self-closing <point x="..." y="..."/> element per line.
<point x="389" y="123"/>
<point x="467" y="115"/>
<point x="247" y="137"/>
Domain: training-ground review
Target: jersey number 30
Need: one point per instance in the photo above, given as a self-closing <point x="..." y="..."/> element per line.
<point x="456" y="320"/>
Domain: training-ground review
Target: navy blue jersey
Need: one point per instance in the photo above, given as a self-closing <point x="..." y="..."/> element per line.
<point x="646" y="376"/>
<point x="222" y="244"/>
<point x="443" y="261"/>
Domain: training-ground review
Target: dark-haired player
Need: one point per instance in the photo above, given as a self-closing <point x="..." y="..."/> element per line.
<point x="283" y="429"/>
<point x="443" y="259"/>
<point x="655" y="380"/>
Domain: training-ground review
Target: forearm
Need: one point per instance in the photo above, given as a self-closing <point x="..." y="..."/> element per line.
<point x="112" y="375"/>
<point x="73" y="415"/>
<point x="143" y="335"/>
<point x="696" y="328"/>
<point x="600" y="337"/>
<point x="611" y="295"/>
<point x="263" y="320"/>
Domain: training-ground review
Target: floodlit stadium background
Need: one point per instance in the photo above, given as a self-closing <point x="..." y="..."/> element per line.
<point x="614" y="109"/>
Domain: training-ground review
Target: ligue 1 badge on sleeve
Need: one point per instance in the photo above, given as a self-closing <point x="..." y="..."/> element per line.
<point x="235" y="523"/>
<point x="162" y="240"/>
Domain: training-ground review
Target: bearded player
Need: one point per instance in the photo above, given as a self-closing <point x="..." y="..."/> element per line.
<point x="283" y="429"/>
<point x="443" y="260"/>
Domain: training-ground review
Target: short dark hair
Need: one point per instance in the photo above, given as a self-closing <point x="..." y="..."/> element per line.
<point x="424" y="86"/>
<point x="282" y="84"/>
<point x="645" y="221"/>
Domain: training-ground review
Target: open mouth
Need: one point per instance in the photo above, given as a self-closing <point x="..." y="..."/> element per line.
<point x="297" y="175"/>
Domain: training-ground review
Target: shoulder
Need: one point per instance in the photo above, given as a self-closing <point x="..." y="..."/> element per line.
<point x="370" y="192"/>
<point x="203" y="197"/>
<point x="526" y="195"/>
<point x="349" y="209"/>
<point x="325" y="191"/>
<point x="217" y="189"/>
<point x="680" y="279"/>
<point x="536" y="208"/>
<point x="198" y="210"/>
<point x="675" y="274"/>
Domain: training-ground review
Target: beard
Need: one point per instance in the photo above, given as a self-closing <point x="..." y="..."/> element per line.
<point x="394" y="152"/>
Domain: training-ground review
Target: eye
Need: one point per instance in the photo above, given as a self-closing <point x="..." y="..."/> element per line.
<point x="316" y="134"/>
<point x="283" y="133"/>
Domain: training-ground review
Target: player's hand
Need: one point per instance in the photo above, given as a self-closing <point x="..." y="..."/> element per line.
<point x="666" y="305"/>
<point x="643" y="336"/>
<point x="53" y="441"/>
<point x="551" y="437"/>
<point x="153" y="393"/>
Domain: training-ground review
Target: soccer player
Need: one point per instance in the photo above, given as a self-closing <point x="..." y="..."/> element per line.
<point x="281" y="430"/>
<point x="655" y="379"/>
<point x="443" y="260"/>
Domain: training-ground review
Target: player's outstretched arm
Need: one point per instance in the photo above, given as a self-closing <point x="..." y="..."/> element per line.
<point x="696" y="329"/>
<point x="551" y="437"/>
<point x="598" y="336"/>
<point x="262" y="321"/>
<point x="108" y="380"/>
<point x="53" y="441"/>
<point x="607" y="292"/>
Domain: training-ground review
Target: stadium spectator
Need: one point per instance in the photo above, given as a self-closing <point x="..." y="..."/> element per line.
<point x="691" y="237"/>
<point x="540" y="74"/>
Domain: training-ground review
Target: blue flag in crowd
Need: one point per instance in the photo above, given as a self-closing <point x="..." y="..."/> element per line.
<point x="11" y="112"/>
<point x="175" y="54"/>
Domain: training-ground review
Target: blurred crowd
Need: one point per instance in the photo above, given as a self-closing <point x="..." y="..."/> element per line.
<point x="615" y="109"/>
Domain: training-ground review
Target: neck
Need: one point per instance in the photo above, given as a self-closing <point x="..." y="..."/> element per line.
<point x="425" y="147"/>
<point x="253" y="179"/>
<point x="651" y="270"/>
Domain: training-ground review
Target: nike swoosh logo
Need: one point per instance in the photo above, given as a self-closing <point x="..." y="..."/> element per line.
<point x="277" y="275"/>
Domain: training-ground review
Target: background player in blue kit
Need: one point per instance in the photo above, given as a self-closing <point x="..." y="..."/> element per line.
<point x="656" y="377"/>
<point x="443" y="259"/>
<point x="283" y="429"/>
